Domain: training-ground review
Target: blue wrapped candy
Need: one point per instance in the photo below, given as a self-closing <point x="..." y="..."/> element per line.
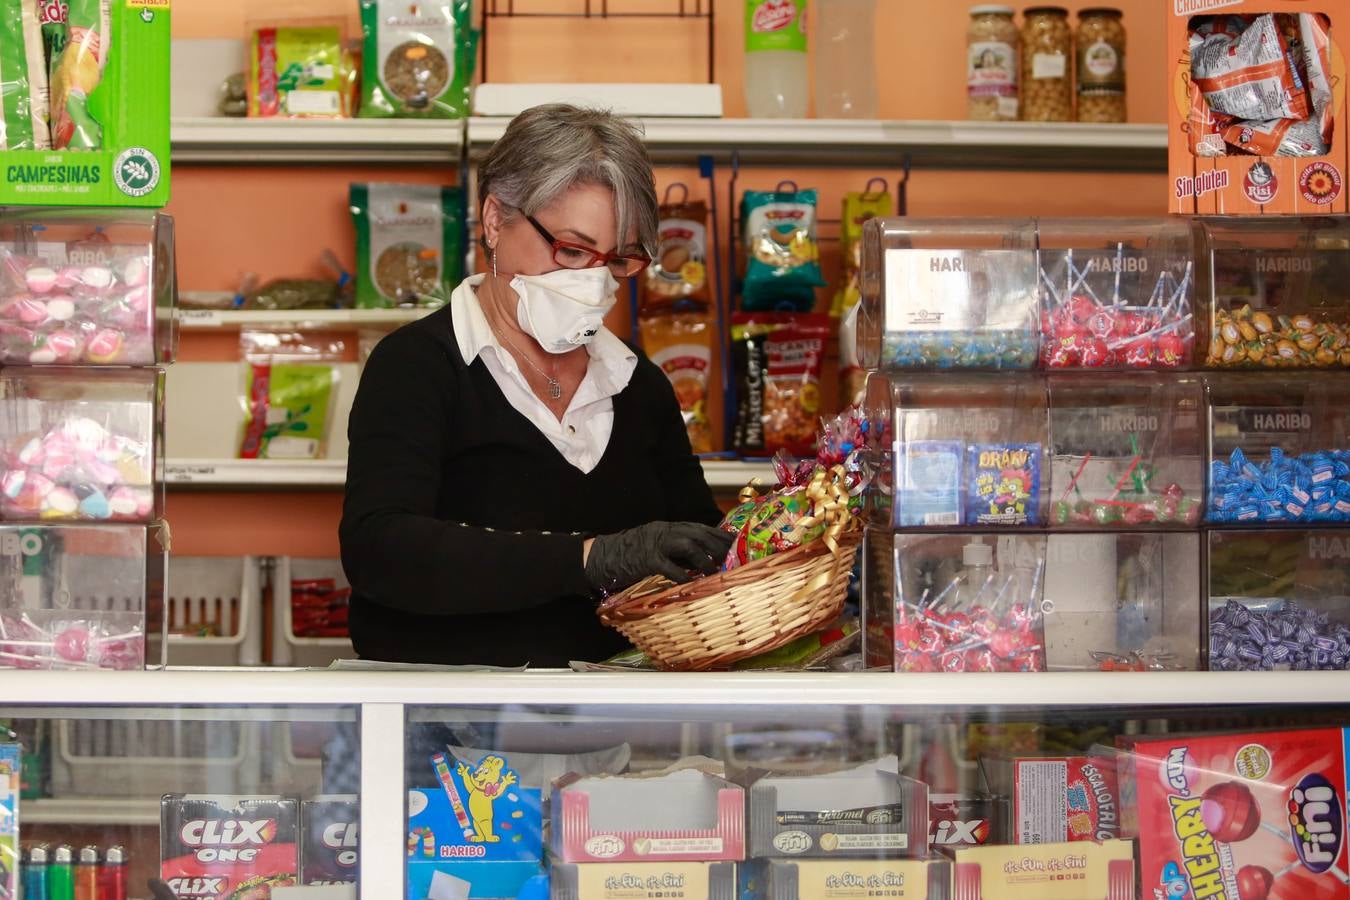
<point x="1310" y="487"/>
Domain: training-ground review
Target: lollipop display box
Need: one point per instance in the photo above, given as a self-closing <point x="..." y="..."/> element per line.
<point x="1004" y="601"/>
<point x="84" y="288"/>
<point x="81" y="596"/>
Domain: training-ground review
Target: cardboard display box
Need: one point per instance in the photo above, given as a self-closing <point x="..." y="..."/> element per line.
<point x="844" y="879"/>
<point x="1078" y="870"/>
<point x="643" y="881"/>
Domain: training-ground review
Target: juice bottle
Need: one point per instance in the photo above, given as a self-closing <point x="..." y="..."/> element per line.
<point x="775" y="58"/>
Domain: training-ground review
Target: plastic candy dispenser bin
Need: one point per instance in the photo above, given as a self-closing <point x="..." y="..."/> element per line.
<point x="948" y="294"/>
<point x="81" y="445"/>
<point x="84" y="288"/>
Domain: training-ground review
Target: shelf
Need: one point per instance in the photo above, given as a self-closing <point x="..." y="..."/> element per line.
<point x="279" y="474"/>
<point x="234" y="319"/>
<point x="90" y="811"/>
<point x="229" y="141"/>
<point x="852" y="142"/>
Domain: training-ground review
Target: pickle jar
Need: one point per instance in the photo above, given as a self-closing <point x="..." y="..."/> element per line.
<point x="1101" y="65"/>
<point x="1047" y="65"/>
<point x="991" y="64"/>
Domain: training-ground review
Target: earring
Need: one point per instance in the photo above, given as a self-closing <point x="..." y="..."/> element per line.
<point x="494" y="262"/>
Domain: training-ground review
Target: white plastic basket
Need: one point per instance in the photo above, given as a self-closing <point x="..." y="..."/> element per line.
<point x="287" y="648"/>
<point x="224" y="592"/>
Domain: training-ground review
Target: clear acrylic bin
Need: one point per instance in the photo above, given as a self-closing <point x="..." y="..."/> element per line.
<point x="964" y="450"/>
<point x="948" y="294"/>
<point x="1279" y="449"/>
<point x="1276" y="292"/>
<point x="1126" y="451"/>
<point x="81" y="445"/>
<point x="1279" y="600"/>
<point x="81" y="596"/>
<point x="1116" y="293"/>
<point x="79" y="287"/>
<point x="971" y="601"/>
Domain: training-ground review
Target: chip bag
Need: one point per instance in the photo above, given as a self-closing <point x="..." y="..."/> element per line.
<point x="409" y="244"/>
<point x="418" y="60"/>
<point x="1248" y="75"/>
<point x="290" y="389"/>
<point x="295" y="70"/>
<point x="681" y="345"/>
<point x="23" y="74"/>
<point x="679" y="273"/>
<point x="782" y="256"/>
<point x="858" y="208"/>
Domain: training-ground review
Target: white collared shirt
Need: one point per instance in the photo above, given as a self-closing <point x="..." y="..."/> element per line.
<point x="582" y="434"/>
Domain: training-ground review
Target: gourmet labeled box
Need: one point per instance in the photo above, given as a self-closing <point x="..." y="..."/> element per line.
<point x="868" y="811"/>
<point x="641" y="881"/>
<point x="685" y="815"/>
<point x="847" y="879"/>
<point x="1256" y="107"/>
<point x="1249" y="815"/>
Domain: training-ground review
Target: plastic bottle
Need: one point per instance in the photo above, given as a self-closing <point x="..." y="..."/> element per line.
<point x="775" y="59"/>
<point x="846" y="69"/>
<point x="977" y="560"/>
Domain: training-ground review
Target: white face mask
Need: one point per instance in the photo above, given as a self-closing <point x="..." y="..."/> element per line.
<point x="564" y="309"/>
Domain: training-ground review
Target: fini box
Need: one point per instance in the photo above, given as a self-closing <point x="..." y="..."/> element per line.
<point x="108" y="117"/>
<point x="844" y="879"/>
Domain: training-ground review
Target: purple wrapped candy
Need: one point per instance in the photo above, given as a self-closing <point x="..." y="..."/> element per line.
<point x="1285" y="637"/>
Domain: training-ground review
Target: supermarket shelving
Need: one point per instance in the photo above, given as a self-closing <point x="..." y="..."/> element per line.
<point x="228" y="141"/>
<point x="91" y="811"/>
<point x="229" y="319"/>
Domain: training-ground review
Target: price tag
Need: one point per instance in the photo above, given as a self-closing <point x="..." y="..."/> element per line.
<point x="201" y="317"/>
<point x="183" y="474"/>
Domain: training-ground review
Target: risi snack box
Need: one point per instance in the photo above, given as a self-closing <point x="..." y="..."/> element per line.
<point x="223" y="847"/>
<point x="1238" y="816"/>
<point x="1256" y="116"/>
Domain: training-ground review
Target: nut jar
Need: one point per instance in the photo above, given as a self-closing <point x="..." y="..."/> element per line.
<point x="991" y="64"/>
<point x="1047" y="60"/>
<point x="1101" y="65"/>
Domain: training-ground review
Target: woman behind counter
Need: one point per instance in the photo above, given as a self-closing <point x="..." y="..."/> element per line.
<point x="510" y="457"/>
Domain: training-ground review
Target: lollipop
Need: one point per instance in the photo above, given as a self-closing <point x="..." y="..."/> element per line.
<point x="1229" y="812"/>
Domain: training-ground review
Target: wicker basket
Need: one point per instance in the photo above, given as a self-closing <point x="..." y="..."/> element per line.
<point x="715" y="621"/>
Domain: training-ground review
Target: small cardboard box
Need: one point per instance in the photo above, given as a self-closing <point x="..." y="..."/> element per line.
<point x="128" y="98"/>
<point x="216" y="847"/>
<point x="1063" y="798"/>
<point x="641" y="881"/>
<point x="1243" y="184"/>
<point x="1078" y="870"/>
<point x="329" y="829"/>
<point x="867" y="811"/>
<point x="468" y="879"/>
<point x="842" y="879"/>
<point x="681" y="816"/>
<point x="955" y="820"/>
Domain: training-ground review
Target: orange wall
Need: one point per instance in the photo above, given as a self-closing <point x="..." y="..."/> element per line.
<point x="275" y="221"/>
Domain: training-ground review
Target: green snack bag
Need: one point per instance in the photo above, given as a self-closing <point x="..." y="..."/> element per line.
<point x="409" y="244"/>
<point x="782" y="267"/>
<point x="290" y="388"/>
<point x="296" y="72"/>
<point x="418" y="60"/>
<point x="23" y="78"/>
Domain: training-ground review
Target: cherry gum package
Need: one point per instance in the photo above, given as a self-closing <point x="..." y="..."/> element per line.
<point x="227" y="848"/>
<point x="1238" y="816"/>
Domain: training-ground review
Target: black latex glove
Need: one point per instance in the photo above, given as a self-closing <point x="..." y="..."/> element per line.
<point x="671" y="549"/>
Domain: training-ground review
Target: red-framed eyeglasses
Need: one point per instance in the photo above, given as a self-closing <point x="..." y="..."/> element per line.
<point x="571" y="255"/>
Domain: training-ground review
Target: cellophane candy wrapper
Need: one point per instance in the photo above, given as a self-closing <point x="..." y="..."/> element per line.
<point x="64" y="639"/>
<point x="101" y="314"/>
<point x="78" y="469"/>
<point x="813" y="497"/>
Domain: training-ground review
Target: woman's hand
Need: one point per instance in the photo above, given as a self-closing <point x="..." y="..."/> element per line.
<point x="673" y="549"/>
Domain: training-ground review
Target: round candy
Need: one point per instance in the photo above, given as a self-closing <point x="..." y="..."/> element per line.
<point x="72" y="644"/>
<point x="40" y="279"/>
<point x="136" y="271"/>
<point x="61" y="308"/>
<point x="105" y="346"/>
<point x="1229" y="812"/>
<point x="1254" y="882"/>
<point x="97" y="277"/>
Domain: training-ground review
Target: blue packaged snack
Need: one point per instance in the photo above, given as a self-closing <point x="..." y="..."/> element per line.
<point x="1003" y="484"/>
<point x="928" y="491"/>
<point x="782" y="268"/>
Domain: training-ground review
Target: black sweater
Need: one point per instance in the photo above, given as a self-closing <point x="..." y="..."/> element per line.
<point x="463" y="525"/>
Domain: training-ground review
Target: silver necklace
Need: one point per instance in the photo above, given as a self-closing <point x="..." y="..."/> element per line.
<point x="554" y="388"/>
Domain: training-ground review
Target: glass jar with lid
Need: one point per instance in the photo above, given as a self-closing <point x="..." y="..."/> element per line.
<point x="1101" y="65"/>
<point x="991" y="64"/>
<point x="1047" y="65"/>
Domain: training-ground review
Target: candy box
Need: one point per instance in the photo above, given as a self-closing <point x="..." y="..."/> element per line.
<point x="219" y="847"/>
<point x="640" y="881"/>
<point x="1058" y="799"/>
<point x="11" y="756"/>
<point x="109" y="108"/>
<point x="958" y="820"/>
<point x="683" y="815"/>
<point x="1255" y="118"/>
<point x="330" y="852"/>
<point x="948" y="294"/>
<point x="846" y="879"/>
<point x="1080" y="870"/>
<point x="868" y="811"/>
<point x="1253" y="815"/>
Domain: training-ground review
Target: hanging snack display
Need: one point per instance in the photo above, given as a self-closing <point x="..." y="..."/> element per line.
<point x="409" y="244"/>
<point x="1047" y="65"/>
<point x="782" y="267"/>
<point x="991" y="64"/>
<point x="778" y="359"/>
<point x="859" y="208"/>
<point x="681" y="346"/>
<point x="679" y="273"/>
<point x="290" y="387"/>
<point x="1100" y="45"/>
<point x="418" y="59"/>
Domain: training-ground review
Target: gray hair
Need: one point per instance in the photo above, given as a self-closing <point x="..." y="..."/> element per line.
<point x="548" y="149"/>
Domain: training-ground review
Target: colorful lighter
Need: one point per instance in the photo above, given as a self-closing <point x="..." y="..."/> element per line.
<point x="112" y="875"/>
<point x="447" y="779"/>
<point x="61" y="875"/>
<point x="33" y="874"/>
<point x="86" y="874"/>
